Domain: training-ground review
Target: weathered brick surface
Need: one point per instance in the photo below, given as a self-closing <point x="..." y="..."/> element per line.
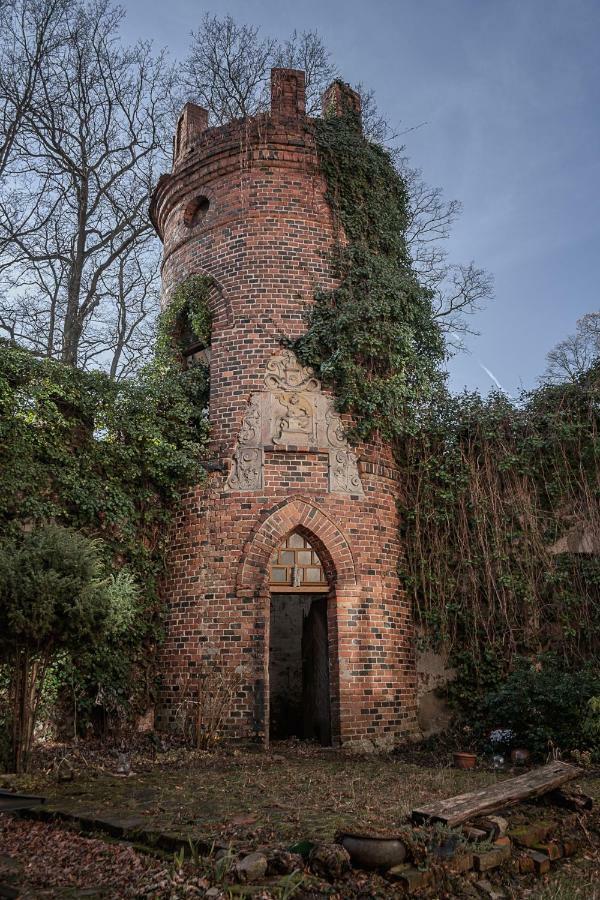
<point x="266" y="239"/>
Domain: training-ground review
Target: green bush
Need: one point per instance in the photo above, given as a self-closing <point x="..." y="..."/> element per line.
<point x="109" y="461"/>
<point x="545" y="706"/>
<point x="54" y="597"/>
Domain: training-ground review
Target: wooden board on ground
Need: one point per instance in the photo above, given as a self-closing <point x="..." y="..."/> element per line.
<point x="458" y="809"/>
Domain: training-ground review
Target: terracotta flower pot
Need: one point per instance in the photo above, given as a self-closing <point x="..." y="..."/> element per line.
<point x="465" y="760"/>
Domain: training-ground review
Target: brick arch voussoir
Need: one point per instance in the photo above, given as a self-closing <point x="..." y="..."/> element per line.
<point x="219" y="302"/>
<point x="326" y="537"/>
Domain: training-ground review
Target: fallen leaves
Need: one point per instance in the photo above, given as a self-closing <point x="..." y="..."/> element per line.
<point x="46" y="856"/>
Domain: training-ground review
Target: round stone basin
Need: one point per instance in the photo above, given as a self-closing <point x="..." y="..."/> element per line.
<point x="367" y="852"/>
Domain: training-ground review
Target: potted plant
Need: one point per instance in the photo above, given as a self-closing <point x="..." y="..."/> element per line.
<point x="500" y="740"/>
<point x="467" y="757"/>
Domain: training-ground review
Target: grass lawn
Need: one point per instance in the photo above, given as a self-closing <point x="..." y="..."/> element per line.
<point x="294" y="791"/>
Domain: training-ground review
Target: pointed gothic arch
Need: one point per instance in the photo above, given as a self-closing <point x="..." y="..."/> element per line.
<point x="330" y="543"/>
<point x="322" y="532"/>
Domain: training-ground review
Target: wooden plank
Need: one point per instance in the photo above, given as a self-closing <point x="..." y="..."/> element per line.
<point x="504" y="793"/>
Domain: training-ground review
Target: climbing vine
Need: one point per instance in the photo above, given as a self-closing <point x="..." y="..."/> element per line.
<point x="494" y="494"/>
<point x="501" y="525"/>
<point x="108" y="460"/>
<point x="187" y="320"/>
<point x="373" y="338"/>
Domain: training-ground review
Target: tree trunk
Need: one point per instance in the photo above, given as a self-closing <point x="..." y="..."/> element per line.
<point x="25" y="690"/>
<point x="74" y="318"/>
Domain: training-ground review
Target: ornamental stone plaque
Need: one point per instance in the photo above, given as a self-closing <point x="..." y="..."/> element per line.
<point x="292" y="412"/>
<point x="284" y="371"/>
<point x="343" y="472"/>
<point x="251" y="430"/>
<point x="294" y="419"/>
<point x="247" y="470"/>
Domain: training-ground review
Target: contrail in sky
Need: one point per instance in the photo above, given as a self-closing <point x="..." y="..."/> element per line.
<point x="494" y="379"/>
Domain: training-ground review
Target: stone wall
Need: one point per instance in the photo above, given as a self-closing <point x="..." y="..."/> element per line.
<point x="433" y="677"/>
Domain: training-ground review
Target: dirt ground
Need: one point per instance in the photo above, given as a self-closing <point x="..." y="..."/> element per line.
<point x="247" y="799"/>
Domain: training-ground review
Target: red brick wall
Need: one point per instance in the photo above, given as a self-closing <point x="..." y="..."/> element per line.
<point x="266" y="239"/>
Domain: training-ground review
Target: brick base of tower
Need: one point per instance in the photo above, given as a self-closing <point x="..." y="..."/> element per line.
<point x="246" y="204"/>
<point x="219" y="598"/>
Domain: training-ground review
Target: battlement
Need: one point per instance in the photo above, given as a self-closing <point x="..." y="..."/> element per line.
<point x="288" y="107"/>
<point x="282" y="136"/>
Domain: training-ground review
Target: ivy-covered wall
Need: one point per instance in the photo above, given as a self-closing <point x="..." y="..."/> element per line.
<point x="108" y="459"/>
<point x="500" y="506"/>
<point x="373" y="337"/>
<point x="494" y="495"/>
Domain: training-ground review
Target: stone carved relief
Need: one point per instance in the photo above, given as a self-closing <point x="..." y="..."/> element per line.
<point x="251" y="430"/>
<point x="247" y="470"/>
<point x="297" y="424"/>
<point x="334" y="426"/>
<point x="292" y="412"/>
<point x="343" y="472"/>
<point x="285" y="372"/>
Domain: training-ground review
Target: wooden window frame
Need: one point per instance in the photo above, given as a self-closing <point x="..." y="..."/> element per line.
<point x="294" y="581"/>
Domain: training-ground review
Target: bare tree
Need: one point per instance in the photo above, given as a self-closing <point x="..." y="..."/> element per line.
<point x="306" y="51"/>
<point x="573" y="357"/>
<point x="458" y="289"/>
<point x="122" y="331"/>
<point x="74" y="210"/>
<point x="227" y="69"/>
<point x="84" y="124"/>
<point x="30" y="31"/>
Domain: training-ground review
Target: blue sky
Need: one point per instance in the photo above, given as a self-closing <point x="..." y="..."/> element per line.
<point x="510" y="93"/>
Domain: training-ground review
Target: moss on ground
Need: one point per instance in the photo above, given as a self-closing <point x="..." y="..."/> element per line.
<point x="248" y="798"/>
<point x="285" y="795"/>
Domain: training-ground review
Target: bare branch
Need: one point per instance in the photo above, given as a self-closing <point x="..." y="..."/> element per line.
<point x="73" y="205"/>
<point x="572" y="358"/>
<point x="307" y="52"/>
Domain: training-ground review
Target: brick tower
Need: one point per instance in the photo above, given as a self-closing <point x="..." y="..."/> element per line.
<point x="284" y="562"/>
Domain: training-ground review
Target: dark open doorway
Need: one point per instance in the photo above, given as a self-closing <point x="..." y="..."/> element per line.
<point x="298" y="646"/>
<point x="299" y="668"/>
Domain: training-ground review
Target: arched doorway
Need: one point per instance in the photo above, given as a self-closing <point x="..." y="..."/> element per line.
<point x="299" y="671"/>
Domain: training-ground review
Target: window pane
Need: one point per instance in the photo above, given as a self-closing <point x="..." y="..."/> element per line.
<point x="312" y="575"/>
<point x="279" y="575"/>
<point x="295" y="540"/>
<point x="304" y="558"/>
<point x="287" y="557"/>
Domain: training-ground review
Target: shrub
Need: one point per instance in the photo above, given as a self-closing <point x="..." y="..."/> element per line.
<point x="591" y="724"/>
<point x="108" y="460"/>
<point x="53" y="597"/>
<point x="545" y="706"/>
